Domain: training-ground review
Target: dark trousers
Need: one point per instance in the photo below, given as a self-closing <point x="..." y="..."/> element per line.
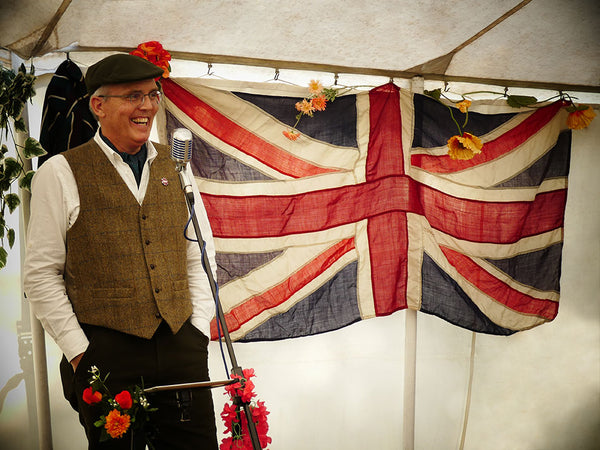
<point x="167" y="358"/>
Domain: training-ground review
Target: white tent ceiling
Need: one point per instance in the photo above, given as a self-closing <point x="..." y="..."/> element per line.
<point x="533" y="43"/>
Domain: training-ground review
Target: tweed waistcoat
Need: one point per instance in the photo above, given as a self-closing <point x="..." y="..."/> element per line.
<point x="126" y="266"/>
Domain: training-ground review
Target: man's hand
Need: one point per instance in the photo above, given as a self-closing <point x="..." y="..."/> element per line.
<point x="75" y="361"/>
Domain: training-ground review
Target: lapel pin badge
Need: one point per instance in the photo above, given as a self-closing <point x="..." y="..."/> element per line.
<point x="164" y="181"/>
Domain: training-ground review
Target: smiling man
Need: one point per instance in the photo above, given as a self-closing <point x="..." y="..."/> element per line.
<point x="109" y="272"/>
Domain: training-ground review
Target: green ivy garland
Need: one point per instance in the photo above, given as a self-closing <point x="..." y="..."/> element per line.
<point x="15" y="89"/>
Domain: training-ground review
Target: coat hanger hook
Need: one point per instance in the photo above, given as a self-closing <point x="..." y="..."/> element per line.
<point x="276" y="76"/>
<point x="335" y="79"/>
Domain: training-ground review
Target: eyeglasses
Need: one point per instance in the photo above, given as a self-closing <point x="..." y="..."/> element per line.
<point x="137" y="98"/>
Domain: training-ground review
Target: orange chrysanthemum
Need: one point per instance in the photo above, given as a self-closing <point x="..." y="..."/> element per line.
<point x="319" y="103"/>
<point x="117" y="424"/>
<point x="315" y="87"/>
<point x="580" y="118"/>
<point x="291" y="134"/>
<point x="305" y="107"/>
<point x="464" y="105"/>
<point x="464" y="147"/>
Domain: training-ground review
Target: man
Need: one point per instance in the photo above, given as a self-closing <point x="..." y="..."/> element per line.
<point x="108" y="270"/>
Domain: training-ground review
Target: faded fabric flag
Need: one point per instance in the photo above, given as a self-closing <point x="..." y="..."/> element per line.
<point x="365" y="214"/>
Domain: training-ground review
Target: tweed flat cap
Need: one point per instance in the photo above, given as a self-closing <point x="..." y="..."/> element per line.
<point x="119" y="68"/>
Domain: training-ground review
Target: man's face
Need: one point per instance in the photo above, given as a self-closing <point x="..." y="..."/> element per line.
<point x="126" y="125"/>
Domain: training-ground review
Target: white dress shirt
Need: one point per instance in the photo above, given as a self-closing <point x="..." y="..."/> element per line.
<point x="54" y="209"/>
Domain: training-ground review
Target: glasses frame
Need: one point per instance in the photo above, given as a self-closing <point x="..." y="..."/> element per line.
<point x="130" y="97"/>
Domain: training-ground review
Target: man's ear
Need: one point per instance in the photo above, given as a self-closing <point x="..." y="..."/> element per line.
<point x="97" y="105"/>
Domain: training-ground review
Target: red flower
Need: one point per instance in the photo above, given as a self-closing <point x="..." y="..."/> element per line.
<point x="243" y="388"/>
<point x="91" y="397"/>
<point x="124" y="400"/>
<point x="154" y="52"/>
<point x="234" y="416"/>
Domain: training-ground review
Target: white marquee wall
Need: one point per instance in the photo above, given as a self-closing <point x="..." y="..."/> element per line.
<point x="538" y="389"/>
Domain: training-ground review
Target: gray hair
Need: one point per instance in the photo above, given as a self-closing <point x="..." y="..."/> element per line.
<point x="102" y="90"/>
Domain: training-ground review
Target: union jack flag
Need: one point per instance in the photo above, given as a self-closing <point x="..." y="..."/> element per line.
<point x="365" y="214"/>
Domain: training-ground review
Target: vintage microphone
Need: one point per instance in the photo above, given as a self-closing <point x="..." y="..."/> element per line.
<point x="181" y="153"/>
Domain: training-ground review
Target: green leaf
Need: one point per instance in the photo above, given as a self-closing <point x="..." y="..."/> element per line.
<point x="574" y="108"/>
<point x="330" y="94"/>
<point x="33" y="148"/>
<point x="436" y="93"/>
<point x="11" y="237"/>
<point x="12" y="168"/>
<point x="13" y="201"/>
<point x="25" y="182"/>
<point x="3" y="256"/>
<point x="518" y="101"/>
<point x="20" y="125"/>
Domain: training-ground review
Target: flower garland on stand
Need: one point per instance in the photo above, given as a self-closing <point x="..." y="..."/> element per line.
<point x="129" y="410"/>
<point x="234" y="416"/>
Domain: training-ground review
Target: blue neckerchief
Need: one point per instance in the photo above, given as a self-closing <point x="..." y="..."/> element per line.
<point x="135" y="162"/>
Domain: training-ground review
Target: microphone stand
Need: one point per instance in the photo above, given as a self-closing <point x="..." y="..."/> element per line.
<point x="236" y="369"/>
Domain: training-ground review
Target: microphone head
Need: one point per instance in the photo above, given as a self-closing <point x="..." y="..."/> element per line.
<point x="181" y="146"/>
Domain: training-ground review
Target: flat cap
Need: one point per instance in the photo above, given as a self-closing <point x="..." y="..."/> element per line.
<point x="119" y="68"/>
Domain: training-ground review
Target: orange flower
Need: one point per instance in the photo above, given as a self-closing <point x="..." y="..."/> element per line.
<point x="464" y="147"/>
<point x="91" y="397"/>
<point x="319" y="103"/>
<point x="305" y="107"/>
<point x="291" y="134"/>
<point x="580" y="118"/>
<point x="315" y="87"/>
<point x="117" y="424"/>
<point x="464" y="105"/>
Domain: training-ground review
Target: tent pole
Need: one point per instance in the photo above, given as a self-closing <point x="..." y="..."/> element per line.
<point x="410" y="349"/>
<point x="410" y="369"/>
<point x="32" y="340"/>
